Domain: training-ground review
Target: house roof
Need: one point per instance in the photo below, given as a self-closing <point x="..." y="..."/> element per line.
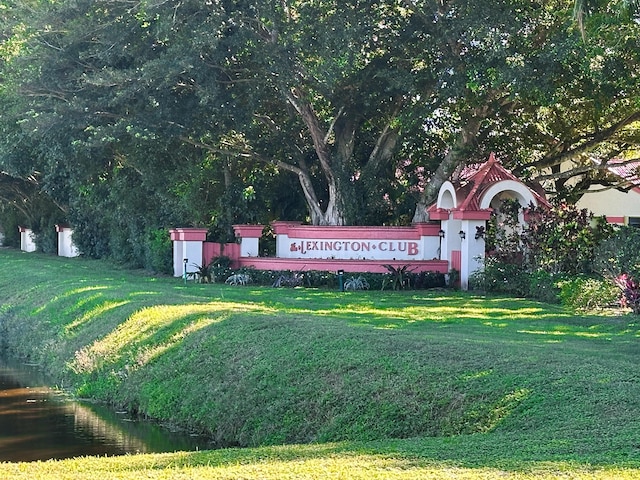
<point x="628" y="171"/>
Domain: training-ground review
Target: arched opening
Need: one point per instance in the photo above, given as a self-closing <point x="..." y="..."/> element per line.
<point x="508" y="201"/>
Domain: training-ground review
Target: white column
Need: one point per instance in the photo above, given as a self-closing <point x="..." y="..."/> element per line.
<point x="27" y="242"/>
<point x="283" y="242"/>
<point x="472" y="250"/>
<point x="66" y="248"/>
<point x="187" y="245"/>
<point x="249" y="236"/>
<point x="451" y="240"/>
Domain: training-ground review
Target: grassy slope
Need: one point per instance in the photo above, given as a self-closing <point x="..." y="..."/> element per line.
<point x="540" y="390"/>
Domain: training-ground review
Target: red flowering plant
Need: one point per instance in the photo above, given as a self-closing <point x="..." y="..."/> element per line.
<point x="618" y="259"/>
<point x="630" y="292"/>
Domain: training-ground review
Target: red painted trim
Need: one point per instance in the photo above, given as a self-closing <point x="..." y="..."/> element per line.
<point x="356" y="233"/>
<point x="188" y="234"/>
<point x="372" y="266"/>
<point x="23" y="229"/>
<point x="248" y="231"/>
<point x="282" y="227"/>
<point x="62" y="228"/>
<point x="427" y="229"/>
<point x="618" y="220"/>
<point x="297" y="230"/>
<point x="439" y="214"/>
<point x="472" y="214"/>
<point x="456" y="259"/>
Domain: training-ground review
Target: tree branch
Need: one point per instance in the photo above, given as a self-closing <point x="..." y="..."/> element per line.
<point x="386" y="142"/>
<point x="592" y="140"/>
<point x="585" y="169"/>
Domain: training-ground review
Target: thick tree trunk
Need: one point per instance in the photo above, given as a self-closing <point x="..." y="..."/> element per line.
<point x="333" y="157"/>
<point x="455" y="157"/>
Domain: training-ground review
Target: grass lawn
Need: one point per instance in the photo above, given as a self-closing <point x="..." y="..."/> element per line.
<point x="320" y="384"/>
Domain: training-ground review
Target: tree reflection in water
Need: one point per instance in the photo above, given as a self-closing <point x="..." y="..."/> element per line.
<point x="36" y="423"/>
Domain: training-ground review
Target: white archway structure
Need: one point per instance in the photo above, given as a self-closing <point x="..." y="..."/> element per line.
<point x="519" y="191"/>
<point x="464" y="206"/>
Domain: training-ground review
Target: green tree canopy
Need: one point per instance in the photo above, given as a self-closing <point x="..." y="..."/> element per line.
<point x="220" y="112"/>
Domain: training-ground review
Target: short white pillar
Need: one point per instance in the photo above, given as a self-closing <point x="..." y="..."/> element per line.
<point x="472" y="250"/>
<point x="283" y="244"/>
<point x="27" y="240"/>
<point x="430" y="241"/>
<point x="249" y="236"/>
<point x="66" y="247"/>
<point x="187" y="245"/>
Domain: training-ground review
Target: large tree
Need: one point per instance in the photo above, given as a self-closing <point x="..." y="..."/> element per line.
<point x="364" y="102"/>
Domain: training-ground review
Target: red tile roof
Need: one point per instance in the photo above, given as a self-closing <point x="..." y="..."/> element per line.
<point x="473" y="180"/>
<point x="630" y="172"/>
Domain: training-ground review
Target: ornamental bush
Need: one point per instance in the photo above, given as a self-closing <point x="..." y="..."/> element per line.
<point x="544" y="286"/>
<point x="501" y="277"/>
<point x="564" y="239"/>
<point x="630" y="292"/>
<point x="588" y="293"/>
<point x="619" y="254"/>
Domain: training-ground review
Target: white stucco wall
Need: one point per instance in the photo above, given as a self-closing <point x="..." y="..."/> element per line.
<point x="611" y="203"/>
<point x="27" y="241"/>
<point x="66" y="247"/>
<point x="186" y="250"/>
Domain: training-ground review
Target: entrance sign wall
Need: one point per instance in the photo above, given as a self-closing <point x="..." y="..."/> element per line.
<point x="454" y="237"/>
<point x="418" y="242"/>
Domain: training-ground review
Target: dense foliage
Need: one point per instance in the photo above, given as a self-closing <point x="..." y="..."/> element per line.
<point x="563" y="254"/>
<point x="133" y="117"/>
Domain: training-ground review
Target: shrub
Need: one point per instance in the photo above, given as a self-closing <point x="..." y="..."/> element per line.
<point x="238" y="279"/>
<point x="564" y="239"/>
<point x="289" y="279"/>
<point x="203" y="273"/>
<point x="398" y="277"/>
<point x="619" y="254"/>
<point x="316" y="279"/>
<point x="630" y="292"/>
<point x="501" y="277"/>
<point x="356" y="283"/>
<point x="326" y="279"/>
<point x="10" y="220"/>
<point x="425" y="280"/>
<point x="159" y="251"/>
<point x="220" y="268"/>
<point x="543" y="286"/>
<point x="585" y="293"/>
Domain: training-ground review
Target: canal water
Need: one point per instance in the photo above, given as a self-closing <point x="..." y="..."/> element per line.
<point x="37" y="423"/>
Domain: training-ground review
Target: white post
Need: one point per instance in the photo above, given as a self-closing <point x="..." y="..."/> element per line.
<point x="249" y="236"/>
<point x="187" y="245"/>
<point x="281" y="230"/>
<point x="66" y="248"/>
<point x="451" y="240"/>
<point x="27" y="242"/>
<point x="472" y="251"/>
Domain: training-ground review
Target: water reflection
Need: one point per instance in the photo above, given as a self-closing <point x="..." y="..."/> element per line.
<point x="38" y="424"/>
